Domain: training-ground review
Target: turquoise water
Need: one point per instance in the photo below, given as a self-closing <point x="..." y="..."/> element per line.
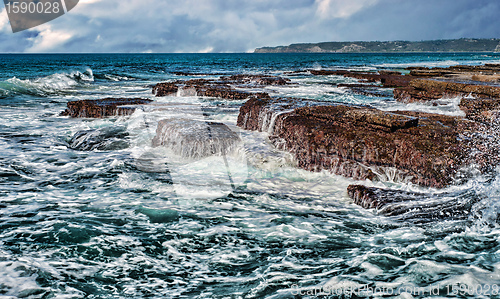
<point x="134" y="221"/>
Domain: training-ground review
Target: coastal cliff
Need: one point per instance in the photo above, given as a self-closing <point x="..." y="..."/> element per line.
<point x="452" y="45"/>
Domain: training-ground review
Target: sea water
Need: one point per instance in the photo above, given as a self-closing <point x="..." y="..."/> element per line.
<point x="130" y="220"/>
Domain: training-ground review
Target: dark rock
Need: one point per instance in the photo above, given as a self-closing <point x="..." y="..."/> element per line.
<point x="222" y="92"/>
<point x="103" y="107"/>
<point x="365" y="76"/>
<point x="24" y="214"/>
<point x="196" y="74"/>
<point x="224" y="88"/>
<point x="103" y="139"/>
<point x="165" y="89"/>
<point x="367" y="90"/>
<point x="256" y="79"/>
<point x="359" y="142"/>
<point x="395" y="80"/>
<point x="388" y="79"/>
<point x="420" y="207"/>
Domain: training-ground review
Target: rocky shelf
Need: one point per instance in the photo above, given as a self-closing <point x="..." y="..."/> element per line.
<point x="103" y="107"/>
<point x="360" y="142"/>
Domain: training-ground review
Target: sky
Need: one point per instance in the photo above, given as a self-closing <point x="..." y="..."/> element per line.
<point x="203" y="26"/>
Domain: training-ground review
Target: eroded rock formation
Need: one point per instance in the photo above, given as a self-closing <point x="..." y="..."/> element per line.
<point x="359" y="142"/>
<point x="228" y="87"/>
<point x="431" y="89"/>
<point x="419" y="207"/>
<point x="103" y="139"/>
<point x="103" y="107"/>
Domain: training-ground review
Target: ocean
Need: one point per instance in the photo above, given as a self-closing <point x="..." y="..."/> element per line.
<point x="129" y="220"/>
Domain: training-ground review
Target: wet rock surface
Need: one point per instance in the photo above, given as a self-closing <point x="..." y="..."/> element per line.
<point x="359" y="142"/>
<point x="387" y="79"/>
<point x="429" y="89"/>
<point x="103" y="107"/>
<point x="363" y="143"/>
<point x="413" y="206"/>
<point x="103" y="139"/>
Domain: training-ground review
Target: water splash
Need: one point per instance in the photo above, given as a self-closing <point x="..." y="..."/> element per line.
<point x="195" y="139"/>
<point x="46" y="86"/>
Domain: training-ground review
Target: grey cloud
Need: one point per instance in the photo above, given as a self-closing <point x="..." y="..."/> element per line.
<point x="241" y="25"/>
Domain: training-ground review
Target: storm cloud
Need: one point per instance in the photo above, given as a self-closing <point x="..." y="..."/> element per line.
<point x="242" y="25"/>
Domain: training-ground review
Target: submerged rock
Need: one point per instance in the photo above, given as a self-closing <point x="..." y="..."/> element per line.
<point x="360" y="142"/>
<point x="195" y="139"/>
<point x="103" y="139"/>
<point x="159" y="216"/>
<point x="412" y="205"/>
<point x="103" y="107"/>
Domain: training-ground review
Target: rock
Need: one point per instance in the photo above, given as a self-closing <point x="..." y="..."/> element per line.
<point x="196" y="74"/>
<point x="365" y="76"/>
<point x="224" y="88"/>
<point x="420" y="90"/>
<point x="367" y="89"/>
<point x="159" y="215"/>
<point x="200" y="87"/>
<point x="103" y="139"/>
<point x="195" y="139"/>
<point x="427" y="72"/>
<point x="483" y="110"/>
<point x="222" y="92"/>
<point x="360" y="142"/>
<point x="103" y="107"/>
<point x="420" y="207"/>
<point x="388" y="79"/>
<point x="152" y="163"/>
<point x="256" y="79"/>
<point x="165" y="89"/>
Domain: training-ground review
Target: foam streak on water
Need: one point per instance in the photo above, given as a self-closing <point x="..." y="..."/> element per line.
<point x="82" y="219"/>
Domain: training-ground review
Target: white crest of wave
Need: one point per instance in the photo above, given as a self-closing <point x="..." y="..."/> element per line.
<point x="47" y="85"/>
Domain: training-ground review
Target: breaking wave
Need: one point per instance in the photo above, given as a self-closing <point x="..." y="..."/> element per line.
<point x="45" y="86"/>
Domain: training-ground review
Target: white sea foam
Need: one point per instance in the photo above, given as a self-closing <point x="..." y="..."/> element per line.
<point x="444" y="106"/>
<point x="45" y="86"/>
<point x="75" y="224"/>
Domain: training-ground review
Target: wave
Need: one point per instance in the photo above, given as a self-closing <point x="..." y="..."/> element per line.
<point x="113" y="77"/>
<point x="45" y="86"/>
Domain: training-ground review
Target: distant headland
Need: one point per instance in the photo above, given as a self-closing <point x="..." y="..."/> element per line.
<point x="449" y="45"/>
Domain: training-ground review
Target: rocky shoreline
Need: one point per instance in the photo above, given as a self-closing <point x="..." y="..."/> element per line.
<point x="361" y="142"/>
